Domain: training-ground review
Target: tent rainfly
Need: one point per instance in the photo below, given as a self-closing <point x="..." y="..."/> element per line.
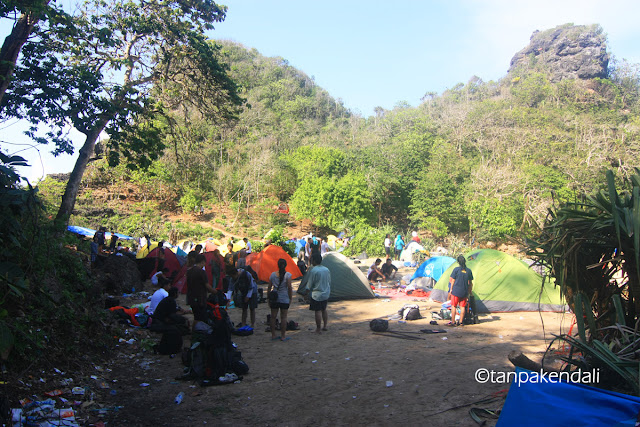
<point x="503" y="283"/>
<point x="347" y="280"/>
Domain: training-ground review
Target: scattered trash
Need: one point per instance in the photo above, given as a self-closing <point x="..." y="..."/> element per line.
<point x="78" y="391"/>
<point x="444" y="338"/>
<point x="313" y="361"/>
<point x="179" y="398"/>
<point x="389" y="383"/>
<point x="354" y="397"/>
<point x="500" y="336"/>
<point x="402" y="321"/>
<point x="43" y="413"/>
<point x="317" y="352"/>
<point x="386" y="406"/>
<point x="347" y="358"/>
<point x="53" y="393"/>
<point x="113" y="392"/>
<point x="386" y="300"/>
<point x="94" y="377"/>
<point x="58" y="371"/>
<point x="145" y="385"/>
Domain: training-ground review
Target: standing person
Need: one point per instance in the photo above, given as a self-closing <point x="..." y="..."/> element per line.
<point x="197" y="288"/>
<point x="319" y="285"/>
<point x="460" y="286"/>
<point x="315" y="245"/>
<point x="324" y="246"/>
<point x="399" y="246"/>
<point x="217" y="270"/>
<point x="247" y="246"/>
<point x="307" y="252"/>
<point x="246" y="290"/>
<point x="280" y="282"/>
<point x="302" y="265"/>
<point x="228" y="258"/>
<point x="387" y="246"/>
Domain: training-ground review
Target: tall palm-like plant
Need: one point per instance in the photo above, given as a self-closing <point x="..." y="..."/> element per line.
<point x="592" y="248"/>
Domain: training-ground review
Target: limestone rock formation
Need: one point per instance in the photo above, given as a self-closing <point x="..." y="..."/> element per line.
<point x="565" y="52"/>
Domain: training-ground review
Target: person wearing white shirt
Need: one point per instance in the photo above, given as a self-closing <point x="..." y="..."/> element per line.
<point x="159" y="295"/>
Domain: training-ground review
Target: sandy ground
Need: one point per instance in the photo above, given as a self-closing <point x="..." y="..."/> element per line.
<point x="345" y="376"/>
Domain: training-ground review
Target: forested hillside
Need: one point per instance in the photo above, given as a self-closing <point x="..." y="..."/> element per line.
<point x="485" y="158"/>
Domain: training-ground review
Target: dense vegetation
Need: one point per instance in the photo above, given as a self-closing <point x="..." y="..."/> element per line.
<point x="483" y="158"/>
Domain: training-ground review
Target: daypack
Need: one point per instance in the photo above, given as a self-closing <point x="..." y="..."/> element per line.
<point x="410" y="312"/>
<point x="379" y="325"/>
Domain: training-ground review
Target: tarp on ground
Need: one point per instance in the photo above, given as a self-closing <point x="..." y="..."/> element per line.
<point x="265" y="262"/>
<point x="347" y="280"/>
<point x="503" y="283"/>
<point x="433" y="267"/>
<point x="566" y="404"/>
<point x="409" y="250"/>
<point x="88" y="232"/>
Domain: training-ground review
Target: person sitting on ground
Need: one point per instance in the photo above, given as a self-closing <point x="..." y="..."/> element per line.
<point x="159" y="295"/>
<point x="415" y="237"/>
<point x="460" y="286"/>
<point x="374" y="273"/>
<point x="168" y="313"/>
<point x="280" y="282"/>
<point x="246" y="290"/>
<point x="302" y="265"/>
<point x="388" y="269"/>
<point x="247" y="244"/>
<point x="162" y="273"/>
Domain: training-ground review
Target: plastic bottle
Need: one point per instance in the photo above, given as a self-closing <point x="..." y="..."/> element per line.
<point x="179" y="398"/>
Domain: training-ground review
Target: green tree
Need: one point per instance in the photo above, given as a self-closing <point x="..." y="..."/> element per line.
<point x="98" y="76"/>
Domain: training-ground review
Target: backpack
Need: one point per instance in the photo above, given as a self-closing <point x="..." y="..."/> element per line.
<point x="379" y="325"/>
<point x="410" y="312"/>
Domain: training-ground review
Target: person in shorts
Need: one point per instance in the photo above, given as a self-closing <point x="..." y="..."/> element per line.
<point x="460" y="286"/>
<point x="319" y="285"/>
<point x="280" y="282"/>
<point x="246" y="291"/>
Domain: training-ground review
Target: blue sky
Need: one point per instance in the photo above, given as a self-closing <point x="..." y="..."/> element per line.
<point x="374" y="53"/>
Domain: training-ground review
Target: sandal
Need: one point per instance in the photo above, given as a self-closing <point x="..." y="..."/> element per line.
<point x="451" y="324"/>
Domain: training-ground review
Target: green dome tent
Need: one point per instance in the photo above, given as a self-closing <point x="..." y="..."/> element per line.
<point x="347" y="281"/>
<point x="503" y="283"/>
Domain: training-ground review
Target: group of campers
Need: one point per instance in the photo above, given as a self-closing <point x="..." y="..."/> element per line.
<point x="232" y="277"/>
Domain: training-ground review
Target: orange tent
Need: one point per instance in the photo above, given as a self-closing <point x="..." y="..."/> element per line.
<point x="265" y="262"/>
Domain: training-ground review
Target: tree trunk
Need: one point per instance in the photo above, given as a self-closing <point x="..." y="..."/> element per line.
<point x="73" y="185"/>
<point x="11" y="48"/>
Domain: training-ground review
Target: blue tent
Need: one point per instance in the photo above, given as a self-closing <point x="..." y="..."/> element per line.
<point x="88" y="232"/>
<point x="539" y="403"/>
<point x="433" y="267"/>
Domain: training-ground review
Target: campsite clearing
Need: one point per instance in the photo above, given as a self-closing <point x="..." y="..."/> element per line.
<point x="345" y="376"/>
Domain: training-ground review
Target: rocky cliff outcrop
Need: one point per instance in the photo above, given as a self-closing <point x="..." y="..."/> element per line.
<point x="565" y="52"/>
